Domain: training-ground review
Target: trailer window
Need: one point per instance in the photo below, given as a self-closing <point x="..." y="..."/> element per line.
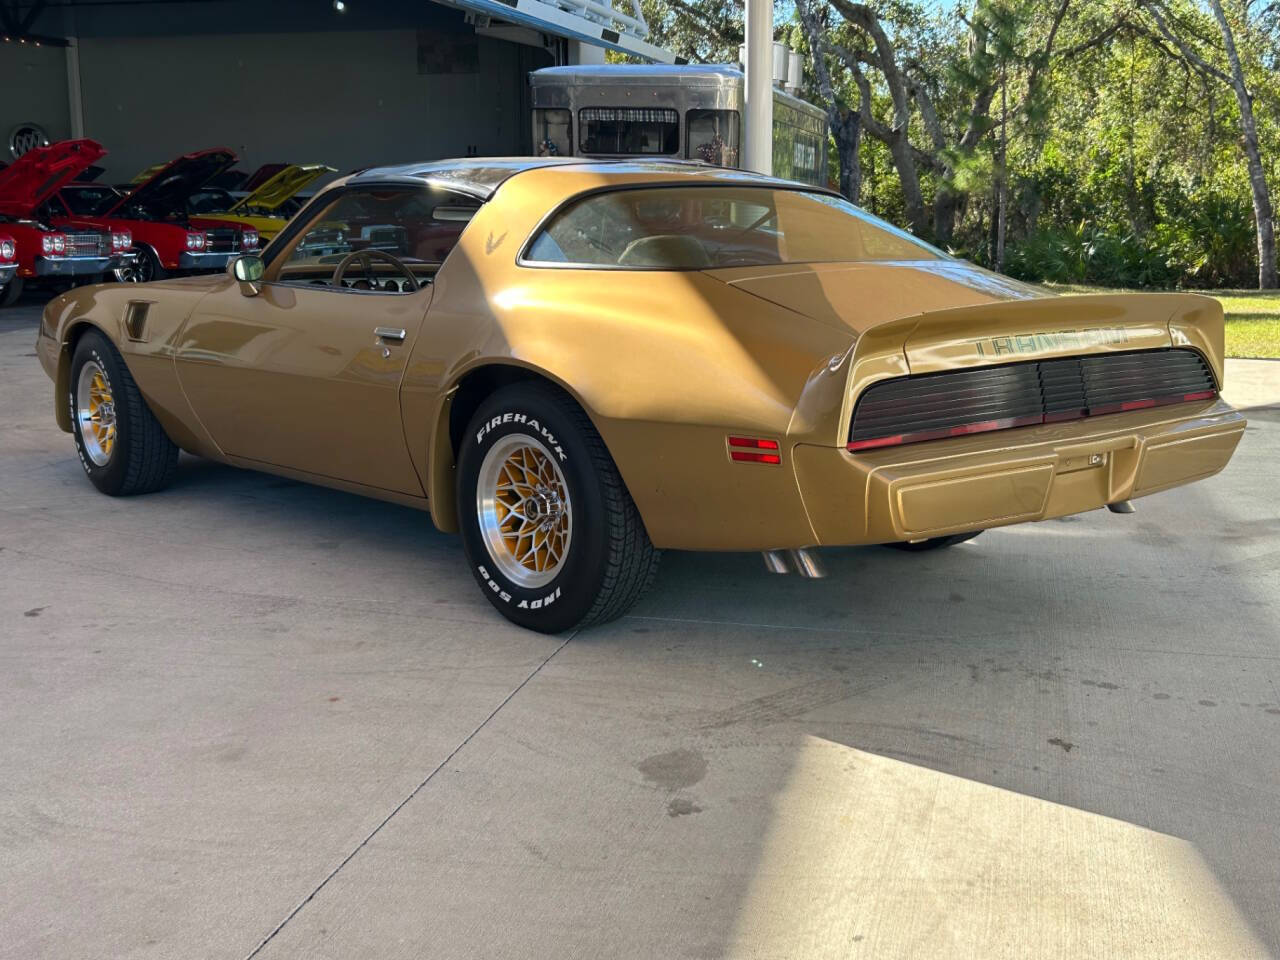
<point x="712" y="136"/>
<point x="553" y="133"/>
<point x="626" y="131"/>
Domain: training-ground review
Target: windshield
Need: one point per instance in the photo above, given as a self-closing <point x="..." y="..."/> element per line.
<point x="88" y="201"/>
<point x="696" y="228"/>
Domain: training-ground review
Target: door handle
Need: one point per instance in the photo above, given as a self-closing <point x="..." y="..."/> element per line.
<point x="389" y="333"/>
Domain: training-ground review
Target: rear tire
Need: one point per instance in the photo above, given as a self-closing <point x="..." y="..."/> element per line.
<point x="550" y="532"/>
<point x="933" y="543"/>
<point x="12" y="291"/>
<point x="121" y="444"/>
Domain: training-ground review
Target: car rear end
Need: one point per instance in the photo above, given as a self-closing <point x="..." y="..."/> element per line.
<point x="982" y="416"/>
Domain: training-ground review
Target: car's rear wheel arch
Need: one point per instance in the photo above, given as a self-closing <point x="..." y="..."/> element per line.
<point x="465" y="395"/>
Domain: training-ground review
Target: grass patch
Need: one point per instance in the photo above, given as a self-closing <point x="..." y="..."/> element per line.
<point x="1253" y="317"/>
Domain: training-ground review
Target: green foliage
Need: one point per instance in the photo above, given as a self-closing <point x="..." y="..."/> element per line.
<point x="1123" y="164"/>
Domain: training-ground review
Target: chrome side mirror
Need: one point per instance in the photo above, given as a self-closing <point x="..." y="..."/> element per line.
<point x="248" y="270"/>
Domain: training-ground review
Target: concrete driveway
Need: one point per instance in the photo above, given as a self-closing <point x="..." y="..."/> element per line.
<point x="250" y="718"/>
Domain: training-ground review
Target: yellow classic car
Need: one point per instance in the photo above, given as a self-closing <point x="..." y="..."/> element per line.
<point x="262" y="208"/>
<point x="575" y="364"/>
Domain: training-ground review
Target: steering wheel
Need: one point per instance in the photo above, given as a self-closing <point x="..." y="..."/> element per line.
<point x="366" y="257"/>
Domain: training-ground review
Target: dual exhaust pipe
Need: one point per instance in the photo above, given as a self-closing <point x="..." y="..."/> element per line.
<point x="804" y="561"/>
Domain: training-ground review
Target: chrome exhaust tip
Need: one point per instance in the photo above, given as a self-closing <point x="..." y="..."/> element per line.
<point x="1122" y="506"/>
<point x="807" y="564"/>
<point x="775" y="561"/>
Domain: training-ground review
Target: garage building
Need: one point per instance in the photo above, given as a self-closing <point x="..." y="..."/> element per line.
<point x="350" y="84"/>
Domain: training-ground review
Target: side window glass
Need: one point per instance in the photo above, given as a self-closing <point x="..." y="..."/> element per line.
<point x="416" y="226"/>
<point x="553" y="133"/>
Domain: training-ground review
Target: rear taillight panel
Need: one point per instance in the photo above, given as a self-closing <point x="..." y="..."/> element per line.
<point x="957" y="403"/>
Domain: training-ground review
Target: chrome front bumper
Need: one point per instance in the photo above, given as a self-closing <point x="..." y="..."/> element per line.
<point x="191" y="260"/>
<point x="81" y="266"/>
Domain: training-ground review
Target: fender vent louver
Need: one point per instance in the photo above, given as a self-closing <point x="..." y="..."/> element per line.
<point x="135" y="319"/>
<point x="958" y="402"/>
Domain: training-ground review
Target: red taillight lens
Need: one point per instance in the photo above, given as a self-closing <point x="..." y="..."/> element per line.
<point x="755" y="450"/>
<point x="746" y="456"/>
<point x="753" y="442"/>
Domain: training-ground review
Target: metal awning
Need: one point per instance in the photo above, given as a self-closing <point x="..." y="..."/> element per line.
<point x="596" y="22"/>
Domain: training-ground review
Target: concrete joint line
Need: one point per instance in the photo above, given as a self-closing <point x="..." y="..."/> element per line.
<point x="400" y="806"/>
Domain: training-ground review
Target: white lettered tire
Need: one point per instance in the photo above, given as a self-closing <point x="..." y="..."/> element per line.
<point x="122" y="447"/>
<point x="550" y="532"/>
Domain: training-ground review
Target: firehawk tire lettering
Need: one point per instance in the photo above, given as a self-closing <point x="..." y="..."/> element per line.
<point x="520" y="418"/>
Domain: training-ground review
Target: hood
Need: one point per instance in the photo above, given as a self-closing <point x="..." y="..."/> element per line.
<point x="279" y="188"/>
<point x="253" y="181"/>
<point x="148" y="173"/>
<point x="858" y="296"/>
<point x="168" y="188"/>
<point x="36" y="175"/>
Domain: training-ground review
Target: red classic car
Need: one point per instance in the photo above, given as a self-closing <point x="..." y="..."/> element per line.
<point x="74" y="248"/>
<point x="166" y="238"/>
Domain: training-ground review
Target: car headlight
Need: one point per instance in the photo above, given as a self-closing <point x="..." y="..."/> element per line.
<point x="59" y="243"/>
<point x="6" y="250"/>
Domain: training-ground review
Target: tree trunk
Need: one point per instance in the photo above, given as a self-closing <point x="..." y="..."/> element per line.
<point x="912" y="198"/>
<point x="846" y="128"/>
<point x="946" y="210"/>
<point x="1002" y="198"/>
<point x="1262" y="210"/>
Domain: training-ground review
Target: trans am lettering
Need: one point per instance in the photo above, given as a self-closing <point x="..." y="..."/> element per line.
<point x="530" y="424"/>
<point x="1058" y="340"/>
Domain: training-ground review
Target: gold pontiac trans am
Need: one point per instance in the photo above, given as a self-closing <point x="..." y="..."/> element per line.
<point x="576" y="364"/>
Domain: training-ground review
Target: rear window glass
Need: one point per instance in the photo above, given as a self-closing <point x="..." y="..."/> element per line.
<point x="696" y="228"/>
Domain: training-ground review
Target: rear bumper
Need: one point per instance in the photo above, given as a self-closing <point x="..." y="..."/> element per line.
<point x="953" y="486"/>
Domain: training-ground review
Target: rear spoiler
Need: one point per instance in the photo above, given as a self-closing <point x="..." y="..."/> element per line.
<point x="1017" y="330"/>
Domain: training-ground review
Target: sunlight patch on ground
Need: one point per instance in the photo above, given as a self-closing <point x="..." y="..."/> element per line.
<point x="869" y="856"/>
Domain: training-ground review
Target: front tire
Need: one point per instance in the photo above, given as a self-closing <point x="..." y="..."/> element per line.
<point x="550" y="532"/>
<point x="148" y="267"/>
<point x="12" y="291"/>
<point x="122" y="446"/>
